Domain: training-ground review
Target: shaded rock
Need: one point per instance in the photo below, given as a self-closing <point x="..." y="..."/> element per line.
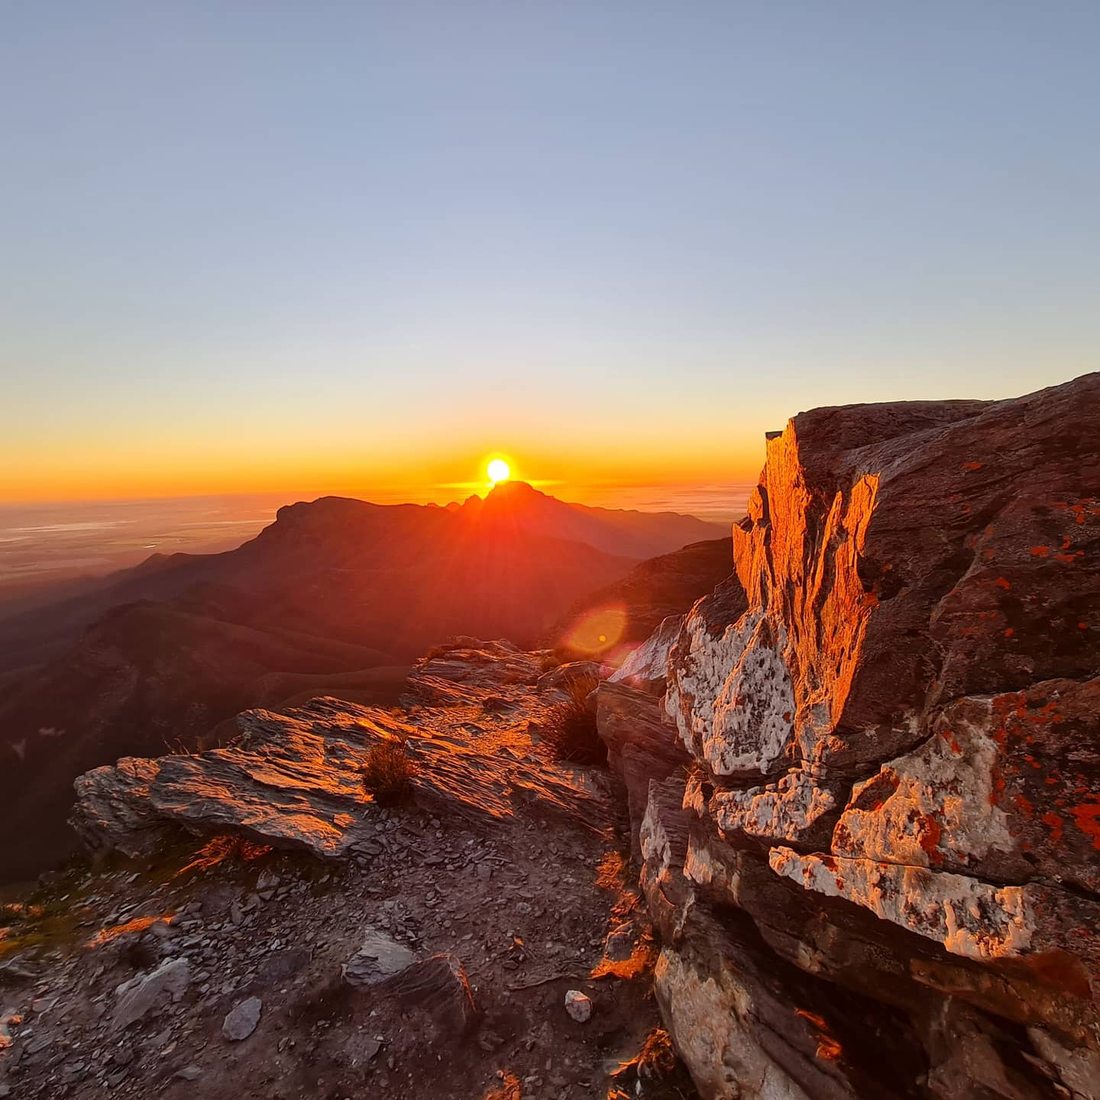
<point x="148" y="993"/>
<point x="620" y="942"/>
<point x="242" y="1020"/>
<point x="379" y="957"/>
<point x="282" y="964"/>
<point x="641" y="744"/>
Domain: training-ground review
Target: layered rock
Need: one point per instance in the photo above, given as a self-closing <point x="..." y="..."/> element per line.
<point x="888" y="840"/>
<point x="294" y="779"/>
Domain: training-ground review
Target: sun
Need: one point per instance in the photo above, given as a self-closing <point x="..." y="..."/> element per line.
<point x="499" y="471"/>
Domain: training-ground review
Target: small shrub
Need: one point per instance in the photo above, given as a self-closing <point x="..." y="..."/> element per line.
<point x="569" y="729"/>
<point x="387" y="773"/>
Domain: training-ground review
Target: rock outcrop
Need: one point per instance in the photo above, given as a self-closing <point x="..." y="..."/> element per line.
<point x="880" y="875"/>
<point x="294" y="780"/>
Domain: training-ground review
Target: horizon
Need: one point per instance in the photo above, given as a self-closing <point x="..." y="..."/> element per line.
<point x="375" y="242"/>
<point x="45" y="542"/>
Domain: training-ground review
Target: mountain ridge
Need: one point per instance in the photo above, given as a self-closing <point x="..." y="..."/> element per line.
<point x="336" y="596"/>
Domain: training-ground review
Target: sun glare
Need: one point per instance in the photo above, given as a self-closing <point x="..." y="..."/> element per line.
<point x="499" y="471"/>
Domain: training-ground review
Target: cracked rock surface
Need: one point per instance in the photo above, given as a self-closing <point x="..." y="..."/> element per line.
<point x="880" y="875"/>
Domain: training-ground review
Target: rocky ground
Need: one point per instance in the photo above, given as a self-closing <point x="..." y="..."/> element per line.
<point x="433" y="956"/>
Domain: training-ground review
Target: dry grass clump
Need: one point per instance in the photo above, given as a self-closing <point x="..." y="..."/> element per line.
<point x="220" y="850"/>
<point x="655" y="1064"/>
<point x="569" y="729"/>
<point x="387" y="773"/>
<point x="510" y="1088"/>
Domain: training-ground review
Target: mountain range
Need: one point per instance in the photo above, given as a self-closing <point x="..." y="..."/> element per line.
<point x="335" y="597"/>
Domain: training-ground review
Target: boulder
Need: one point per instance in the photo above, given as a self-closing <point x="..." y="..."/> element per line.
<point x="578" y="1005"/>
<point x="379" y="957"/>
<point x="570" y="679"/>
<point x="881" y="874"/>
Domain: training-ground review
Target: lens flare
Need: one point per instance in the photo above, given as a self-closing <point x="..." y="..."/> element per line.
<point x="597" y="632"/>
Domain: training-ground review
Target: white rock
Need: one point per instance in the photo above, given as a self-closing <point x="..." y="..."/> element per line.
<point x="578" y="1005"/>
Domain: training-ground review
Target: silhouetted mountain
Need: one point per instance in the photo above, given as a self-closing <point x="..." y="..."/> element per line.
<point x="330" y="598"/>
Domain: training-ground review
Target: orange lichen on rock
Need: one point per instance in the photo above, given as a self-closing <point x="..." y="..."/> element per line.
<point x="136" y="925"/>
<point x="639" y="962"/>
<point x="1087" y="817"/>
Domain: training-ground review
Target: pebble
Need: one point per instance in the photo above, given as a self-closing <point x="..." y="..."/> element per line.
<point x="578" y="1005"/>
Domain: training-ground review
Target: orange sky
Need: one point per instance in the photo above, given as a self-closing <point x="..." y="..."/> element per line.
<point x="382" y="464"/>
<point x="368" y="247"/>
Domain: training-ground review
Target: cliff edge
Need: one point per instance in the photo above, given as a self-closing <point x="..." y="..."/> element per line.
<point x="880" y="873"/>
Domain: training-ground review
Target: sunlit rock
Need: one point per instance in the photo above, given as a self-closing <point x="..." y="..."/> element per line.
<point x="890" y="821"/>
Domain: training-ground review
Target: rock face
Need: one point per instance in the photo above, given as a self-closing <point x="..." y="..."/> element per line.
<point x="427" y="957"/>
<point x="881" y="874"/>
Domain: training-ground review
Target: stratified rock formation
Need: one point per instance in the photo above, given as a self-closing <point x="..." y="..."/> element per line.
<point x="294" y="780"/>
<point x="881" y="875"/>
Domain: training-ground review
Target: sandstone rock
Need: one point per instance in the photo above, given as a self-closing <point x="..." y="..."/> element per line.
<point x="242" y="1019"/>
<point x="578" y="1005"/>
<point x="148" y="993"/>
<point x="888" y="837"/>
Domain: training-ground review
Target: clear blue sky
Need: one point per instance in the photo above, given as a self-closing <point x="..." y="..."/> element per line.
<point x="242" y="240"/>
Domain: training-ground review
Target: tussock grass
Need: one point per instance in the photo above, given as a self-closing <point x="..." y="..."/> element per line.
<point x="387" y="773"/>
<point x="569" y="729"/>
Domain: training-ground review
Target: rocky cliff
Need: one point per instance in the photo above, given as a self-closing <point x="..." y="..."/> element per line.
<point x="879" y="875"/>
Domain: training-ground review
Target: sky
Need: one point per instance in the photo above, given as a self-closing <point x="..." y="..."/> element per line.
<point x="359" y="247"/>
